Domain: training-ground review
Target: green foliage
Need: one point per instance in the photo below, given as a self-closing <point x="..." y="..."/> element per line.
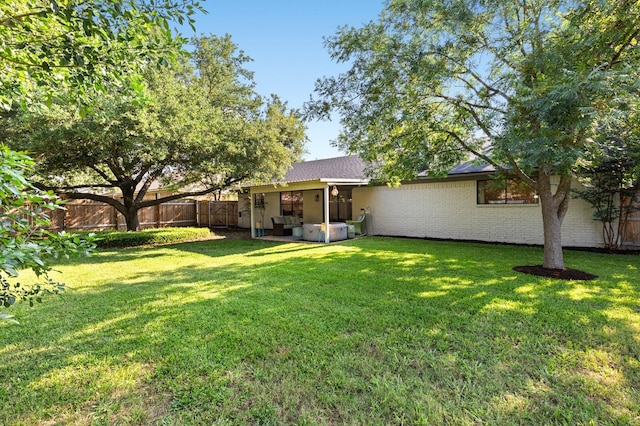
<point x="374" y="331"/>
<point x="122" y="239"/>
<point x="74" y="47"/>
<point x="24" y="244"/>
<point x="519" y="85"/>
<point x="431" y="82"/>
<point x="611" y="182"/>
<point x="56" y="51"/>
<point x="200" y="130"/>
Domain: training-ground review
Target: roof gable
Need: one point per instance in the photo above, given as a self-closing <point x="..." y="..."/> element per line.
<point x="339" y="168"/>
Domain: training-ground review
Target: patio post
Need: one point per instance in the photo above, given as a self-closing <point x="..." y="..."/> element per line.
<point x="253" y="223"/>
<point x="326" y="214"/>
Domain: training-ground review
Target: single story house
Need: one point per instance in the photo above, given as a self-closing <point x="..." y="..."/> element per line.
<point x="466" y="205"/>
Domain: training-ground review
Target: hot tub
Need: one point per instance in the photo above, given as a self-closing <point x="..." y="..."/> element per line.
<point x="337" y="231"/>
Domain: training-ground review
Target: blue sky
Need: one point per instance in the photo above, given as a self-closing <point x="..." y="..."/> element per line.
<point x="285" y="40"/>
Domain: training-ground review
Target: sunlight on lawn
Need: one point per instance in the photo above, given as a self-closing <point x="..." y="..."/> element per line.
<point x="87" y="374"/>
<point x="372" y="331"/>
<point x="432" y="294"/>
<point x="497" y="304"/>
<point x="96" y="328"/>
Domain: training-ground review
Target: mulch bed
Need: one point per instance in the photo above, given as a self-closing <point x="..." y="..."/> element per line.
<point x="561" y="274"/>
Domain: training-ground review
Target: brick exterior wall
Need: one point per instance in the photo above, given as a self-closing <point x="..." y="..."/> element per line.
<point x="449" y="210"/>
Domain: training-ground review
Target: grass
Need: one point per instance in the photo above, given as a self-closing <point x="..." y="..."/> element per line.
<point x="372" y="331"/>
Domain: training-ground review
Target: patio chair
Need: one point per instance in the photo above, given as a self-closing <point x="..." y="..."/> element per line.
<point x="357" y="224"/>
<point x="280" y="227"/>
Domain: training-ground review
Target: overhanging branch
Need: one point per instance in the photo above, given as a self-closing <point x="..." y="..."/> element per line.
<point x="96" y="197"/>
<point x="7" y="20"/>
<point x="44" y="187"/>
<point x="226" y="184"/>
<point x="474" y="151"/>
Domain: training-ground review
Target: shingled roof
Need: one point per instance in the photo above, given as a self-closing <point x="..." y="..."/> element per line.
<point x="339" y="168"/>
<point x="471" y="167"/>
<point x="352" y="168"/>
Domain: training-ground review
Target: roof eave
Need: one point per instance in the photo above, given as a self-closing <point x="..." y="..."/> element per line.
<point x="340" y="181"/>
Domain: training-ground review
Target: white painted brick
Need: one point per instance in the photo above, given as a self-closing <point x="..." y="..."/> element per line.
<point x="449" y="210"/>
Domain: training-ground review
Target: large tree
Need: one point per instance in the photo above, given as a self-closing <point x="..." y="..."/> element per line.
<point x="73" y="47"/>
<point x="200" y="130"/>
<point x="518" y="84"/>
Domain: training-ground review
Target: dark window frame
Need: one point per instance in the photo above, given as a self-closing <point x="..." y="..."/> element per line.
<point x="510" y="193"/>
<point x="258" y="201"/>
<point x="340" y="207"/>
<point x="295" y="201"/>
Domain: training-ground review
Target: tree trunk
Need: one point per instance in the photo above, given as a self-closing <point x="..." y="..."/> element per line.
<point x="132" y="221"/>
<point x="553" y="256"/>
<point x="554" y="207"/>
<point x="131" y="209"/>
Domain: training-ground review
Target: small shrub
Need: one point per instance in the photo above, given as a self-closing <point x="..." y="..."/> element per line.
<point x="122" y="239"/>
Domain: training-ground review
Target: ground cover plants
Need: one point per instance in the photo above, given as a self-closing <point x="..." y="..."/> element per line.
<point x="153" y="236"/>
<point x="369" y="331"/>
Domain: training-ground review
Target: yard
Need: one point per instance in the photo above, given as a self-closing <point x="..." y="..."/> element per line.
<point x="371" y="331"/>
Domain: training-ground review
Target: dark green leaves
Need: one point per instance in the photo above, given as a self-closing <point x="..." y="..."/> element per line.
<point x="194" y="127"/>
<point x="82" y="45"/>
<point x="429" y="77"/>
<point x="24" y="243"/>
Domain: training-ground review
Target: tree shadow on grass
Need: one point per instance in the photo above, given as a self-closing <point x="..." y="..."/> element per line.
<point x="375" y="330"/>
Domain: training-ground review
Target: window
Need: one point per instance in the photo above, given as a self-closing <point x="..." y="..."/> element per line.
<point x="505" y="191"/>
<point x="258" y="201"/>
<point x="291" y="203"/>
<point x="340" y="206"/>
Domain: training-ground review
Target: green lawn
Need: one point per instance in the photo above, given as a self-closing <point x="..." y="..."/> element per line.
<point x="371" y="331"/>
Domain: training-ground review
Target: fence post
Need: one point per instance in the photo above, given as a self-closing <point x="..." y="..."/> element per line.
<point x="209" y="213"/>
<point x="115" y="218"/>
<point x="158" y="221"/>
<point x="195" y="209"/>
<point x="65" y="212"/>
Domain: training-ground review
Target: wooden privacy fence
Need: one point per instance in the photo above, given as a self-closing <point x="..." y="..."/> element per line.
<point x="218" y="214"/>
<point x="92" y="215"/>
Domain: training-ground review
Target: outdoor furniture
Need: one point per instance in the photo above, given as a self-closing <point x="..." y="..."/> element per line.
<point x="296" y="232"/>
<point x="315" y="232"/>
<point x="283" y="225"/>
<point x="351" y="231"/>
<point x="357" y="224"/>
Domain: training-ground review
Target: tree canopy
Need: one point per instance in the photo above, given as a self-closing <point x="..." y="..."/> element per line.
<point x="75" y="46"/>
<point x="201" y="129"/>
<point x="520" y="85"/>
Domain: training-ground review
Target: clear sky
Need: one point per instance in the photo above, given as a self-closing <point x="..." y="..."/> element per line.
<point x="285" y="40"/>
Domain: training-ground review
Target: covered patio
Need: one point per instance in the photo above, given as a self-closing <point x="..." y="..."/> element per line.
<point x="316" y="194"/>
